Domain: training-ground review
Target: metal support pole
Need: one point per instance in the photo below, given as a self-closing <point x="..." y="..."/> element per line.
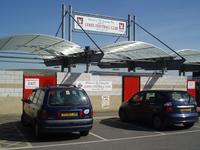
<point x="70" y="23"/>
<point x="63" y="30"/>
<point x="179" y="72"/>
<point x="62" y="68"/>
<point x="87" y="49"/>
<point x="87" y="68"/>
<point x="69" y="69"/>
<point x="70" y="30"/>
<point x="63" y="20"/>
<point x="129" y="28"/>
<point x="133" y="28"/>
<point x="183" y="73"/>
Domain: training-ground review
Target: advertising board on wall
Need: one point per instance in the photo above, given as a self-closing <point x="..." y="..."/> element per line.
<point x="95" y="85"/>
<point x="96" y="24"/>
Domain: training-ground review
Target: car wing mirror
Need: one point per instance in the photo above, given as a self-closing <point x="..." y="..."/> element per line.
<point x="24" y="100"/>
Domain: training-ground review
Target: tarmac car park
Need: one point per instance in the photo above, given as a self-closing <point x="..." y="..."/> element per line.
<point x="108" y="132"/>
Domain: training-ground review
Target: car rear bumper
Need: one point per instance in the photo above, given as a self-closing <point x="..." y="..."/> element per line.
<point x="182" y="118"/>
<point x="61" y="126"/>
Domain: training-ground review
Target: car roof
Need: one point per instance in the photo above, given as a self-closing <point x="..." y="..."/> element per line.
<point x="163" y="91"/>
<point x="59" y="87"/>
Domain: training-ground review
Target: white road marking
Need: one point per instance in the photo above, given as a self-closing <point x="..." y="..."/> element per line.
<point x="98" y="136"/>
<point x="108" y="140"/>
<point x="162" y="133"/>
<point x="10" y="145"/>
<point x="104" y="117"/>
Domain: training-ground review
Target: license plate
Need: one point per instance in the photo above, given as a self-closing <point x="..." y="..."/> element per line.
<point x="69" y="114"/>
<point x="185" y="110"/>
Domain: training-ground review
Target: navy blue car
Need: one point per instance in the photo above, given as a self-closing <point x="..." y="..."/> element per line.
<point x="58" y="109"/>
<point x="161" y="108"/>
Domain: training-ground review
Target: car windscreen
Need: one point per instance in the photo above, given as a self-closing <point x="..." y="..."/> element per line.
<point x="67" y="97"/>
<point x="179" y="96"/>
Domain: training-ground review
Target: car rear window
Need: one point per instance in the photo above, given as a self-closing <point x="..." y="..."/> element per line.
<point x="179" y="96"/>
<point x="67" y="97"/>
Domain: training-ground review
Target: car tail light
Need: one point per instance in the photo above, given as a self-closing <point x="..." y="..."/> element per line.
<point x="168" y="107"/>
<point x="58" y="114"/>
<point x="43" y="114"/>
<point x="91" y="113"/>
<point x="81" y="114"/>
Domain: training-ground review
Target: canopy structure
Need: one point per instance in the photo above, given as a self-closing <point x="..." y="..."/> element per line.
<point x="133" y="50"/>
<point x="126" y="54"/>
<point x="43" y="45"/>
<point x="132" y="54"/>
<point x="54" y="50"/>
<point x="192" y="56"/>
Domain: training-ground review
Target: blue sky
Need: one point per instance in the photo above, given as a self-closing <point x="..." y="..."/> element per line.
<point x="176" y="22"/>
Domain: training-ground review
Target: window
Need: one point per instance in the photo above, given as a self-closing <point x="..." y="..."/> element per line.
<point x="41" y="98"/>
<point x="67" y="97"/>
<point x="35" y="99"/>
<point x="179" y="96"/>
<point x="138" y="97"/>
<point x="32" y="96"/>
<point x="150" y="96"/>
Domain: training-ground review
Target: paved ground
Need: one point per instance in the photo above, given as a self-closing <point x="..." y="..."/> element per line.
<point x="108" y="133"/>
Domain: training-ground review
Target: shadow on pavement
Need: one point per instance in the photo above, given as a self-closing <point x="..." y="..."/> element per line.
<point x="15" y="131"/>
<point x="137" y="126"/>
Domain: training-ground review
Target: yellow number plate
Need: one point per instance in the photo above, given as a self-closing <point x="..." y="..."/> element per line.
<point x="185" y="110"/>
<point x="69" y="114"/>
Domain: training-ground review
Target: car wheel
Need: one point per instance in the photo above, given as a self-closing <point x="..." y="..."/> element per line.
<point x="188" y="125"/>
<point x="84" y="133"/>
<point x="23" y="120"/>
<point x="37" y="130"/>
<point x="158" y="123"/>
<point x="123" y="116"/>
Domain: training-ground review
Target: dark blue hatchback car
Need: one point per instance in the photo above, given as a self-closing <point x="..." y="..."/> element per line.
<point x="58" y="109"/>
<point x="161" y="108"/>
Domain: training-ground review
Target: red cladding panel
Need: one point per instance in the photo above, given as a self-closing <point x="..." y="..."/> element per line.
<point x="32" y="82"/>
<point x="131" y="85"/>
<point x="191" y="87"/>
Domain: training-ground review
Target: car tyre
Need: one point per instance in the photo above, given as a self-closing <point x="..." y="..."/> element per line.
<point x="158" y="123"/>
<point x="37" y="131"/>
<point x="23" y="120"/>
<point x="84" y="133"/>
<point x="188" y="125"/>
<point x="123" y="116"/>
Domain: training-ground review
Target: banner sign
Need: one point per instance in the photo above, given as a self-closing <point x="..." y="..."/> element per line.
<point x="95" y="85"/>
<point x="100" y="25"/>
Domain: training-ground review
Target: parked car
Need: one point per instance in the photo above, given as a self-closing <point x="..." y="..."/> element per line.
<point x="58" y="109"/>
<point x="161" y="108"/>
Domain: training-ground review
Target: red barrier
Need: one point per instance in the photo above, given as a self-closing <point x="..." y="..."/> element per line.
<point x="32" y="82"/>
<point x="131" y="85"/>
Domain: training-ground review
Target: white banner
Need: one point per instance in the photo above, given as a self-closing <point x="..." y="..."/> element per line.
<point x="100" y="25"/>
<point x="31" y="83"/>
<point x="95" y="85"/>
